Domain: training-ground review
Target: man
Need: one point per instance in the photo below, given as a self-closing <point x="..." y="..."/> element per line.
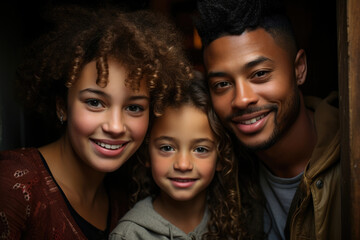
<point x="290" y="188"/>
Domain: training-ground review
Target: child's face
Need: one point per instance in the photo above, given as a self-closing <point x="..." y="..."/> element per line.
<point x="183" y="153"/>
<point x="105" y="126"/>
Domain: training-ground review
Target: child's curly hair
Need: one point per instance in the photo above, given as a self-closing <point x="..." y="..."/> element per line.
<point x="148" y="46"/>
<point x="223" y="197"/>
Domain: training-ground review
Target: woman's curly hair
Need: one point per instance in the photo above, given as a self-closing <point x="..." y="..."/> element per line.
<point x="148" y="45"/>
<point x="223" y="199"/>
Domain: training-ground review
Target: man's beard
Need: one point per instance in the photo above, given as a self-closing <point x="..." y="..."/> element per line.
<point x="291" y="111"/>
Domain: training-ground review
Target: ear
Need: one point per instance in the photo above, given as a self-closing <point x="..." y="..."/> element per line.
<point x="61" y="109"/>
<point x="300" y="67"/>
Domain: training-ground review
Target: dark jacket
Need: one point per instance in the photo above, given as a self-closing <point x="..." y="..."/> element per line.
<point x="315" y="212"/>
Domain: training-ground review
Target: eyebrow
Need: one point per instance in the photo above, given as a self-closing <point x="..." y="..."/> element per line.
<point x="216" y="74"/>
<point x="164" y="138"/>
<point x="248" y="65"/>
<point x="257" y="61"/>
<point x="91" y="90"/>
<point x="101" y="93"/>
<point x="198" y="140"/>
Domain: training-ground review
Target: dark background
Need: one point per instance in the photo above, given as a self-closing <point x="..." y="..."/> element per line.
<point x="21" y="22"/>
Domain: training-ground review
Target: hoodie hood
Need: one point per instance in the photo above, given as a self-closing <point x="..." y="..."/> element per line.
<point x="144" y="222"/>
<point x="327" y="150"/>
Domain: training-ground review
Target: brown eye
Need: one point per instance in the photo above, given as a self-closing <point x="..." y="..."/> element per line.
<point x="94" y="103"/>
<point x="221" y="84"/>
<point x="260" y="73"/>
<point x="201" y="150"/>
<point x="135" y="108"/>
<point x="166" y="148"/>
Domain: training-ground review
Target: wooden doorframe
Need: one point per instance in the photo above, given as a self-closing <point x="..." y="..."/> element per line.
<point x="348" y="35"/>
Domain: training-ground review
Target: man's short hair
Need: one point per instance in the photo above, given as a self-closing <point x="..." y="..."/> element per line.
<point x="233" y="17"/>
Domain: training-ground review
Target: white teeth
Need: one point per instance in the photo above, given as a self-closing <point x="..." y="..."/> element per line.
<point x="253" y="120"/>
<point x="109" y="146"/>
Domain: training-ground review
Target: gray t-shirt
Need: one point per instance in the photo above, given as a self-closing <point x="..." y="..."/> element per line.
<point x="279" y="193"/>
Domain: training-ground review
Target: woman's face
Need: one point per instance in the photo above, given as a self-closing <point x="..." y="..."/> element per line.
<point x="105" y="125"/>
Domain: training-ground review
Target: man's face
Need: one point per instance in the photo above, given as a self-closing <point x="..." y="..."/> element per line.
<point x="253" y="87"/>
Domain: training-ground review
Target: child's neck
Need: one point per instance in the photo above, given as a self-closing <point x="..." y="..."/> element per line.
<point x="186" y="215"/>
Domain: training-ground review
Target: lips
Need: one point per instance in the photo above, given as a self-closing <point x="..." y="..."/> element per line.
<point x="251" y="123"/>
<point x="183" y="179"/>
<point x="109" y="146"/>
<point x="253" y="120"/>
<point x="183" y="182"/>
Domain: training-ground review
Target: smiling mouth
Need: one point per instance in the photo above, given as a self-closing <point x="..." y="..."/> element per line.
<point x="253" y="120"/>
<point x="182" y="180"/>
<point x="110" y="146"/>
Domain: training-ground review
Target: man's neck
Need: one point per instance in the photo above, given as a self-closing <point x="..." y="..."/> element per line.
<point x="289" y="156"/>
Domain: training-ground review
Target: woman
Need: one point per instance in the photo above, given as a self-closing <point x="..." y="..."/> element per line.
<point x="97" y="76"/>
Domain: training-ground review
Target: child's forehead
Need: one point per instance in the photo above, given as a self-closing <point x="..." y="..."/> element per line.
<point x="186" y="125"/>
<point x="181" y="117"/>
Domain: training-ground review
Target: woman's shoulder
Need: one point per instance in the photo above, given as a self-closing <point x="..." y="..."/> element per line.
<point x="19" y="154"/>
<point x="21" y="163"/>
<point x="21" y="168"/>
<point x="24" y="176"/>
<point x="23" y="158"/>
<point x="25" y="185"/>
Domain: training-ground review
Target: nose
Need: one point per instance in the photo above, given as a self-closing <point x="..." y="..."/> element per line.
<point x="114" y="123"/>
<point x="183" y="163"/>
<point x="244" y="95"/>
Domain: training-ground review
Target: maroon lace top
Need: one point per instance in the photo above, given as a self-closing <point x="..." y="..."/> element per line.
<point x="31" y="204"/>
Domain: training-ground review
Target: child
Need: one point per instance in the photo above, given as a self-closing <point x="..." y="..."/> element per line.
<point x="192" y="191"/>
<point x="98" y="75"/>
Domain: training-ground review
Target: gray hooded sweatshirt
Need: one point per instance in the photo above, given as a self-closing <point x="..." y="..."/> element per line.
<point x="143" y="222"/>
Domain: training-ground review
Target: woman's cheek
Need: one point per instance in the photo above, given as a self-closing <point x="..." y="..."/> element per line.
<point x="139" y="127"/>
